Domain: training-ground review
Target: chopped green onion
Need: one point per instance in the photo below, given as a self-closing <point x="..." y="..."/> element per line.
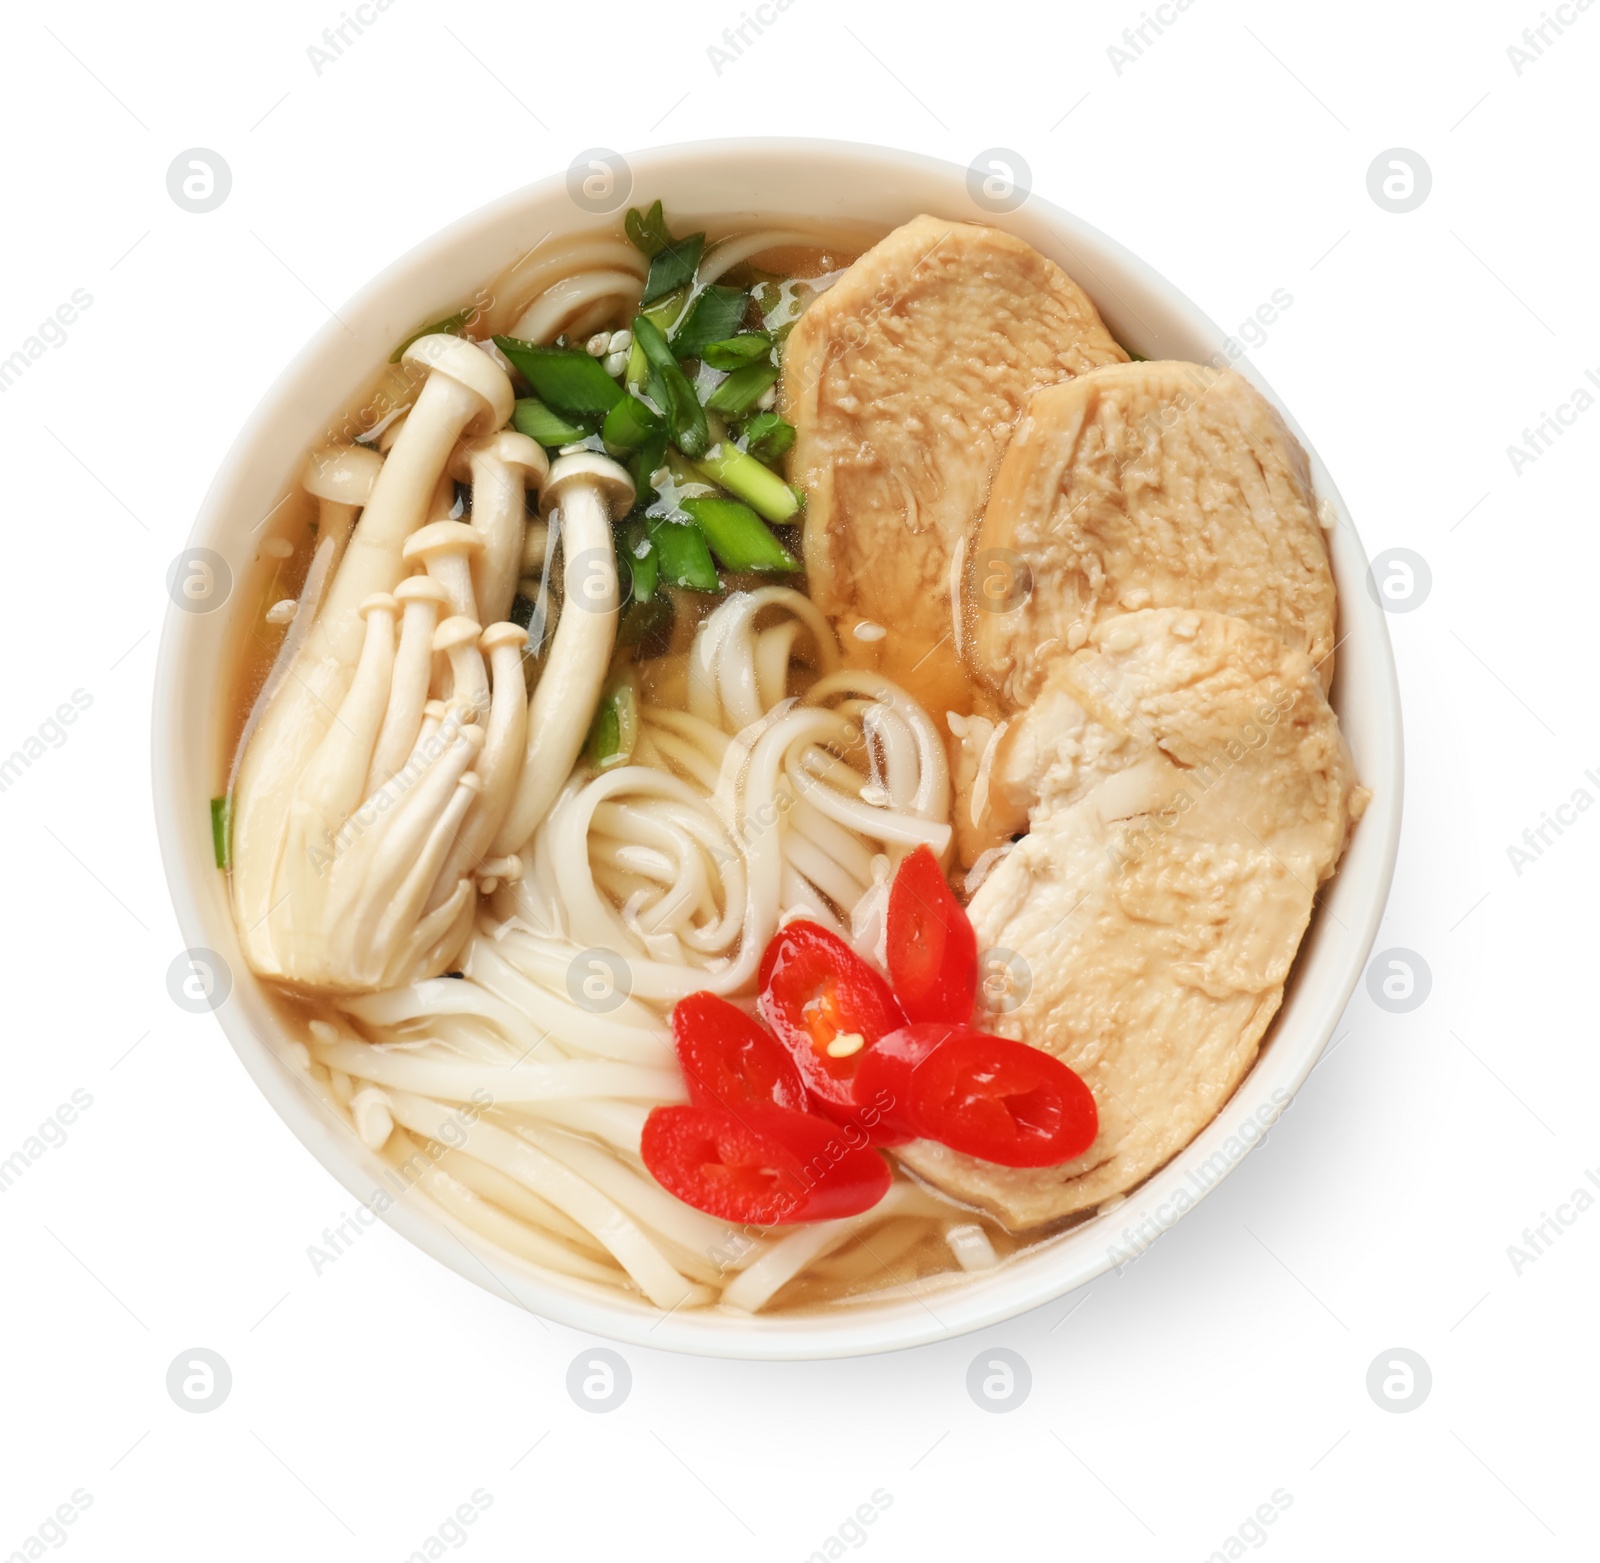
<point x="735" y="352"/>
<point x="567" y="378"/>
<point x="222" y="831"/>
<point x="742" y="389"/>
<point x="451" y="325"/>
<point x="738" y="536"/>
<point x="669" y="388"/>
<point x="637" y="366"/>
<point x="767" y="437"/>
<point x="638" y="553"/>
<point x="530" y="416"/>
<point x="664" y="313"/>
<point x="673" y="267"/>
<point x="647" y="231"/>
<point x="629" y="424"/>
<point x="758" y="486"/>
<point x="685" y="559"/>
<point x="714" y="315"/>
<point x="643" y="463"/>
<point x="615" y="728"/>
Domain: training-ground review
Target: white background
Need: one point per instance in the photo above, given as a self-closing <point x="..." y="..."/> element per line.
<point x="1231" y="1360"/>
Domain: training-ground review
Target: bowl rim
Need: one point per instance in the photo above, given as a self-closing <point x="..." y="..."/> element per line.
<point x="974" y="1302"/>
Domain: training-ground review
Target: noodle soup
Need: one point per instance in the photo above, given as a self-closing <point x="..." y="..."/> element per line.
<point x="543" y="724"/>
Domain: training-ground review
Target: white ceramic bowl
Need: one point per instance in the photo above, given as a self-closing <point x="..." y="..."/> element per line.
<point x="732" y="181"/>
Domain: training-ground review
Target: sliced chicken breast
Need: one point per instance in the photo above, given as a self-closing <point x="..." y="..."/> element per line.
<point x="1187" y="790"/>
<point x="1146" y="485"/>
<point x="903" y="382"/>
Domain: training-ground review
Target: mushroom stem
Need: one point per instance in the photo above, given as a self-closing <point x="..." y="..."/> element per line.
<point x="589" y="490"/>
<point x="505" y="736"/>
<point x="422" y="601"/>
<point x="332" y="783"/>
<point x="503" y="468"/>
<point x="457" y="638"/>
<point x="372" y="928"/>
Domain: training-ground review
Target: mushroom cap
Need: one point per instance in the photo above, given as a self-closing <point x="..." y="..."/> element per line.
<point x="592" y="469"/>
<point x="341" y="473"/>
<point x="467" y="364"/>
<point x="456" y="632"/>
<point x="422" y="588"/>
<point x="441" y="537"/>
<point x="508" y="447"/>
<point x="378" y="602"/>
<point x="505" y="633"/>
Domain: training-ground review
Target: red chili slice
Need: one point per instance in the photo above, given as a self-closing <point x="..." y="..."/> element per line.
<point x="1002" y="1101"/>
<point x="933" y="952"/>
<point x="819" y="997"/>
<point x="729" y="1060"/>
<point x="764" y="1166"/>
<point x="884" y="1079"/>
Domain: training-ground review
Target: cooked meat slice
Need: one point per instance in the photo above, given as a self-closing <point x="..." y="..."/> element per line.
<point x="1187" y="789"/>
<point x="903" y="382"/>
<point x="1150" y="485"/>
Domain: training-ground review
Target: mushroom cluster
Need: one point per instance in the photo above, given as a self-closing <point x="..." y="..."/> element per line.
<point x="398" y="764"/>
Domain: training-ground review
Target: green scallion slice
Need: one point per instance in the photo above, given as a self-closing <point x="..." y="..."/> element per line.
<point x="742" y="389"/>
<point x="222" y="831"/>
<point x="629" y="425"/>
<point x="670" y="389"/>
<point x="673" y="267"/>
<point x="566" y="378"/>
<point x="714" y="316"/>
<point x="735" y="352"/>
<point x="768" y="437"/>
<point x="685" y="559"/>
<point x="615" y="728"/>
<point x="738" y="536"/>
<point x="643" y="563"/>
<point x="647" y="231"/>
<point x="742" y="475"/>
<point x="530" y="416"/>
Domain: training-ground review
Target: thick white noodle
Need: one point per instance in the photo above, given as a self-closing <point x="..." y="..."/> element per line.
<point x="732" y="252"/>
<point x="569" y="300"/>
<point x="622" y="1237"/>
<point x="460" y="1080"/>
<point x="520" y="1237"/>
<point x="537" y="272"/>
<point x="787" y="1257"/>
